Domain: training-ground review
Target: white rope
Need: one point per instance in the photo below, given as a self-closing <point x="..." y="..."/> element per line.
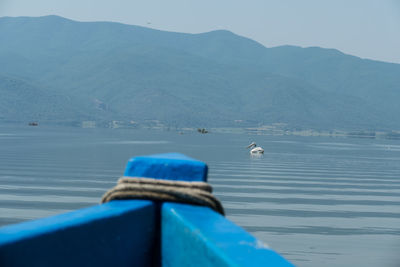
<point x="195" y="193"/>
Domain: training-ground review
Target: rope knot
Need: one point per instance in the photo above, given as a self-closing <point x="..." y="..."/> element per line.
<point x="195" y="193"/>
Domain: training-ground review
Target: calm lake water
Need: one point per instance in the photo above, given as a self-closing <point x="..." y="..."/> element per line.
<point x="318" y="201"/>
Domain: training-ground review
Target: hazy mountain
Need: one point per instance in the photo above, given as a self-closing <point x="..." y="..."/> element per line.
<point x="110" y="71"/>
<point x="24" y="101"/>
<point x="21" y="100"/>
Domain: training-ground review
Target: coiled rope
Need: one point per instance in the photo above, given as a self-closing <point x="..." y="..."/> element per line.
<point x="195" y="193"/>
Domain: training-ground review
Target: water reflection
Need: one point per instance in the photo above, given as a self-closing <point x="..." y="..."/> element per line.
<point x="256" y="156"/>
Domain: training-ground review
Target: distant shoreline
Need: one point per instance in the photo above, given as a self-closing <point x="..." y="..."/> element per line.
<point x="277" y="129"/>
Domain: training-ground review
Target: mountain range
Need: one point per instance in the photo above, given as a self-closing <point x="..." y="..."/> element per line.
<point x="58" y="70"/>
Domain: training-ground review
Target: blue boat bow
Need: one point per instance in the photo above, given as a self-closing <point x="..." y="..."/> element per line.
<point x="138" y="232"/>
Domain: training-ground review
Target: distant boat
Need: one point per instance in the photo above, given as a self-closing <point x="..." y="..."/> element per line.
<point x="255" y="149"/>
<point x="33" y="124"/>
<point x="203" y="130"/>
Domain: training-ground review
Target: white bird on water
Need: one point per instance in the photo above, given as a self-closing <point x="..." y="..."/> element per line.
<point x="255" y="149"/>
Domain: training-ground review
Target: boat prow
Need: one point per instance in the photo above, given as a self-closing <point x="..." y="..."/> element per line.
<point x="138" y="232"/>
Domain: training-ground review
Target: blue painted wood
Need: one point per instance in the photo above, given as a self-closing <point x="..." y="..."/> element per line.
<point x="127" y="233"/>
<point x="198" y="236"/>
<point x="119" y="233"/>
<point x="170" y="166"/>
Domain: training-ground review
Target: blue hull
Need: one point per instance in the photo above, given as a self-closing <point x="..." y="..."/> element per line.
<point x="138" y="232"/>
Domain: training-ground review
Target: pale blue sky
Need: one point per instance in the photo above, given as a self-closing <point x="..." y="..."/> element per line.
<point x="365" y="28"/>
